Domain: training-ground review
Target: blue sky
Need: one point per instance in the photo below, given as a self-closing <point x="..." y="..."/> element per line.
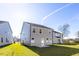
<point x="56" y="15"/>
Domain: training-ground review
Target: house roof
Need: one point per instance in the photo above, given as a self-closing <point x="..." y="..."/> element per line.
<point x="39" y="25"/>
<point x="2" y="22"/>
<point x="57" y="32"/>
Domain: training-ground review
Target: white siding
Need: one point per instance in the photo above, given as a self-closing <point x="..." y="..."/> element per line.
<point x="40" y="37"/>
<point x="5" y="32"/>
<point x="35" y="38"/>
<point x="25" y="34"/>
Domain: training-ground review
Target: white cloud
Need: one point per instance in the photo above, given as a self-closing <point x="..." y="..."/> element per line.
<point x="53" y="12"/>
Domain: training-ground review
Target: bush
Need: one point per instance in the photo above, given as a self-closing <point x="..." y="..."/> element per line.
<point x="77" y="41"/>
<point x="69" y="42"/>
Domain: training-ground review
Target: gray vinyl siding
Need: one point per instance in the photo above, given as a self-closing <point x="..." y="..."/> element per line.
<point x="35" y="38"/>
<point x="25" y="34"/>
<point x="5" y="32"/>
<point x="39" y="36"/>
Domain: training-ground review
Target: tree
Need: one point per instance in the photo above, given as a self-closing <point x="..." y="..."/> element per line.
<point x="64" y="29"/>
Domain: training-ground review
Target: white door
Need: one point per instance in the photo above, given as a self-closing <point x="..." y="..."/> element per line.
<point x="42" y="42"/>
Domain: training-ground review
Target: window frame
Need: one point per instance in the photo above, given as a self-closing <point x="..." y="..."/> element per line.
<point x="32" y="38"/>
<point x="7" y="40"/>
<point x="2" y="39"/>
<point x="40" y="31"/>
<point x="33" y="30"/>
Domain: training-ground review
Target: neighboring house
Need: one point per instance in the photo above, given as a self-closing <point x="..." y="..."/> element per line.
<point x="57" y="37"/>
<point x="15" y="39"/>
<point x="37" y="35"/>
<point x="5" y="33"/>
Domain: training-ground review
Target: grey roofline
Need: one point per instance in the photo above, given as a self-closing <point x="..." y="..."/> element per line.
<point x="38" y="25"/>
<point x="3" y="22"/>
<point x="57" y="32"/>
<point x="35" y="25"/>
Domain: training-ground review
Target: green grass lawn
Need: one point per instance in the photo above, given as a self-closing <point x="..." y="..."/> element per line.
<point x="17" y="49"/>
<point x="57" y="50"/>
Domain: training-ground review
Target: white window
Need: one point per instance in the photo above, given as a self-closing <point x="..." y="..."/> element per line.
<point x="47" y="40"/>
<point x="57" y="35"/>
<point x="32" y="40"/>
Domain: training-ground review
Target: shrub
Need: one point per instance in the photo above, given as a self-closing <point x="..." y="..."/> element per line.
<point x="69" y="42"/>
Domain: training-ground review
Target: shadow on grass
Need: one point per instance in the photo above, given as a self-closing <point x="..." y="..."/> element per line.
<point x="54" y="50"/>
